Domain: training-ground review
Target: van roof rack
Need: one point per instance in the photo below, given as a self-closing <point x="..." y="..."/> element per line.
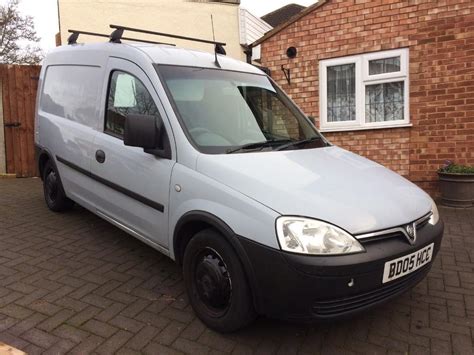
<point x="75" y="35"/>
<point x="117" y="34"/>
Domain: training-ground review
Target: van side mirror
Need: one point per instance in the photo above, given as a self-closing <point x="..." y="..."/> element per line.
<point x="146" y="131"/>
<point x="140" y="131"/>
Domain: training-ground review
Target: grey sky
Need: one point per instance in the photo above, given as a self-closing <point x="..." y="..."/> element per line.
<point x="45" y="14"/>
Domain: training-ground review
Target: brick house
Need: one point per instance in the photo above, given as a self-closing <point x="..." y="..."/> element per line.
<point x="390" y="80"/>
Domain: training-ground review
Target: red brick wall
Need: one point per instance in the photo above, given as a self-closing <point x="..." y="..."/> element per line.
<point x="440" y="36"/>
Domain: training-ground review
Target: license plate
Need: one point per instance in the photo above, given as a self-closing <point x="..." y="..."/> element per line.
<point x="406" y="264"/>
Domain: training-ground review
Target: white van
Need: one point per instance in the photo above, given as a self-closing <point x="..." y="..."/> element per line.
<point x="207" y="160"/>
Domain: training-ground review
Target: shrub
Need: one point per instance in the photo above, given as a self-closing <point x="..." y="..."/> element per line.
<point x="450" y="167"/>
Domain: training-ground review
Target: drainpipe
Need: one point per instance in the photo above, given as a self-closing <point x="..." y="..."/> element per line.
<point x="248" y="53"/>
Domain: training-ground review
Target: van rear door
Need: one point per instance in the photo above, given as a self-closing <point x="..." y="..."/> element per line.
<point x="132" y="188"/>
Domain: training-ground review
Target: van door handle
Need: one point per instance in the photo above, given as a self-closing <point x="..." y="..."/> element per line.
<point x="100" y="156"/>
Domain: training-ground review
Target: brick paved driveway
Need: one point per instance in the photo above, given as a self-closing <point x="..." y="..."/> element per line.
<point x="72" y="282"/>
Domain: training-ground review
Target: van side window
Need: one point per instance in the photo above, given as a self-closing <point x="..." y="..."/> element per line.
<point x="127" y="95"/>
<point x="71" y="92"/>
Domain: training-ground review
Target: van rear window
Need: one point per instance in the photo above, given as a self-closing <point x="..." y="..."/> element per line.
<point x="72" y="91"/>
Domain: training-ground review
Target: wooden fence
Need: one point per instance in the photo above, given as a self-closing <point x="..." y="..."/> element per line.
<point x="19" y="84"/>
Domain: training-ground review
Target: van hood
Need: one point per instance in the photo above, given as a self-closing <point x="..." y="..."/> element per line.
<point x="330" y="184"/>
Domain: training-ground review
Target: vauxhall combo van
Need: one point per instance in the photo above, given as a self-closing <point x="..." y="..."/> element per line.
<point x="205" y="159"/>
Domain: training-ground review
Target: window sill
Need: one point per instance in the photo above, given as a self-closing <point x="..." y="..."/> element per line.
<point x="363" y="128"/>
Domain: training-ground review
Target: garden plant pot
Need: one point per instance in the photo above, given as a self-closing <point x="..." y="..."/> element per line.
<point x="457" y="190"/>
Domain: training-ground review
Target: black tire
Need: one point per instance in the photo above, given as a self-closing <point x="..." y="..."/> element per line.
<point x="216" y="284"/>
<point x="53" y="190"/>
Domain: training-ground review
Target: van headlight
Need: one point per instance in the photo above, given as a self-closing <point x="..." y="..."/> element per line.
<point x="310" y="236"/>
<point x="434" y="218"/>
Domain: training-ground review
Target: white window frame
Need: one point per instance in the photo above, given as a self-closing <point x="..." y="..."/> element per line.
<point x="362" y="79"/>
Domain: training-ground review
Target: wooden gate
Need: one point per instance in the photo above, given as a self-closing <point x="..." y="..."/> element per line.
<point x="19" y="84"/>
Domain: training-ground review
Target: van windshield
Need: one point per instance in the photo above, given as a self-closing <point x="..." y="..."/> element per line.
<point x="233" y="112"/>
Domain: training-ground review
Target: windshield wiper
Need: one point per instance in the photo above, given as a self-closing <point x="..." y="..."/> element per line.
<point x="258" y="145"/>
<point x="303" y="141"/>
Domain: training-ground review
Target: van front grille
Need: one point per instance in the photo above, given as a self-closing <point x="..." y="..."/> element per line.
<point x="396" y="232"/>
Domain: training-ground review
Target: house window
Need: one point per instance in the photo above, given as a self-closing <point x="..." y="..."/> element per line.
<point x="364" y="91"/>
<point x="341" y="90"/>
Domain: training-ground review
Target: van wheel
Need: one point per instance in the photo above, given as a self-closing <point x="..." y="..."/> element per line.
<point x="54" y="194"/>
<point x="216" y="283"/>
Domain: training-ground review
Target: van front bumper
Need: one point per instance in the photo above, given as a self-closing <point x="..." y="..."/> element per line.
<point x="294" y="286"/>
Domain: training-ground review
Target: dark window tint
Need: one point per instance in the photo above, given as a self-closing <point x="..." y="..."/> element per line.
<point x="127" y="95"/>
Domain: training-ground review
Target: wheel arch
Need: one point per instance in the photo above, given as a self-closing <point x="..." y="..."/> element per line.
<point x="42" y="157"/>
<point x="194" y="221"/>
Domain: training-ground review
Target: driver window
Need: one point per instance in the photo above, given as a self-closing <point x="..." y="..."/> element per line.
<point x="127" y="95"/>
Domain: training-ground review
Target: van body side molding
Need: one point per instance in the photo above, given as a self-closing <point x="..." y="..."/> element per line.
<point x="155" y="205"/>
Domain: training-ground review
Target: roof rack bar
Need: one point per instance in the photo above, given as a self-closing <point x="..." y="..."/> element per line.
<point x="147" y="41"/>
<point x="138" y="30"/>
<point x="75" y="34"/>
